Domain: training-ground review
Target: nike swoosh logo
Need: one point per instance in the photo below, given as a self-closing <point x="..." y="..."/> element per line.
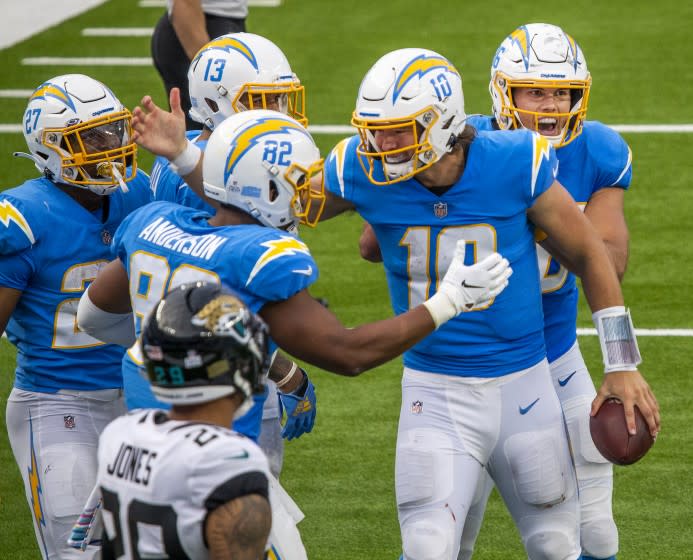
<point x="243" y="455"/>
<point x="563" y="382"/>
<point x="526" y="409"/>
<point x="306" y="271"/>
<point x="465" y="285"/>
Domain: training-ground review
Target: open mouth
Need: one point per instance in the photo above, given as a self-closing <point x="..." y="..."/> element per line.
<point x="397" y="158"/>
<point x="548" y="126"/>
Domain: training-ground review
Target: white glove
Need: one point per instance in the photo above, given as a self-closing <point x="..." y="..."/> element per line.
<point x="465" y="287"/>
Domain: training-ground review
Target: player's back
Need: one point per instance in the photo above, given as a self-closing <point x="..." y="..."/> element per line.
<point x="160" y="478"/>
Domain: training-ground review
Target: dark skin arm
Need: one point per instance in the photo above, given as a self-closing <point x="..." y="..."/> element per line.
<point x="238" y="530"/>
<point x="8" y="301"/>
<point x="320" y="339"/>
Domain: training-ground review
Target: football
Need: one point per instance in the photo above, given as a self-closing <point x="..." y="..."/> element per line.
<point x="611" y="437"/>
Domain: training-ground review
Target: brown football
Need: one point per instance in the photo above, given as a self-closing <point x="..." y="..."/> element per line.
<point x="610" y="434"/>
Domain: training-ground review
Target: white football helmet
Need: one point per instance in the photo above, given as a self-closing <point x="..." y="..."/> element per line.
<point x="262" y="162"/>
<point x="539" y="55"/>
<point x="78" y="133"/>
<point x="242" y="71"/>
<point x="414" y="88"/>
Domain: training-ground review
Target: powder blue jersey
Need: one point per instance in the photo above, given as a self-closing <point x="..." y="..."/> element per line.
<point x="598" y="158"/>
<point x="51" y="247"/>
<point x="165" y="244"/>
<point x="417" y="231"/>
<point x="168" y="185"/>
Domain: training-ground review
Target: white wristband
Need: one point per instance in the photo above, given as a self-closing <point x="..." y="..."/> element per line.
<point x="617" y="339"/>
<point x="284" y="380"/>
<point x="186" y="162"/>
<point x="440" y="307"/>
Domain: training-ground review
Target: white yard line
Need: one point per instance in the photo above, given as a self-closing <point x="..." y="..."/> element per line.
<point x="117" y="31"/>
<point x="639" y="332"/>
<point x="251" y="3"/>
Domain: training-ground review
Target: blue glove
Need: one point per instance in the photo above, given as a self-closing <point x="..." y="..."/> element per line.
<point x="300" y="407"/>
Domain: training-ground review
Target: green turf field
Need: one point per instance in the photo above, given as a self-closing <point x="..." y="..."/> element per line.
<point x="342" y="474"/>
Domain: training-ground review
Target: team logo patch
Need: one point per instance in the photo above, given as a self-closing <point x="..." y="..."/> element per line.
<point x="69" y="422"/>
<point x="440" y="209"/>
<point x="416" y="407"/>
<point x="106" y="237"/>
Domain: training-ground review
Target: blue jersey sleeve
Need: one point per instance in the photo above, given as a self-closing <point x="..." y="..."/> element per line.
<point x="278" y="265"/>
<point x="611" y="154"/>
<point x="340" y="166"/>
<point x="16" y="233"/>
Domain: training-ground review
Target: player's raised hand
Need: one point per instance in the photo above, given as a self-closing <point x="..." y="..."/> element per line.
<point x="631" y="389"/>
<point x="160" y="131"/>
<point x="465" y="287"/>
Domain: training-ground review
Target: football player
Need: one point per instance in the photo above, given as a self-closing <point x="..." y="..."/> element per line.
<point x="55" y="233"/>
<point x="230" y="74"/>
<point x="258" y="166"/>
<point x="180" y="483"/>
<point x="477" y="394"/>
<point x="540" y="81"/>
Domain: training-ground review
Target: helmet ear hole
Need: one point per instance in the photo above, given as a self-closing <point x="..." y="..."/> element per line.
<point x="273" y="191"/>
<point x="213" y="105"/>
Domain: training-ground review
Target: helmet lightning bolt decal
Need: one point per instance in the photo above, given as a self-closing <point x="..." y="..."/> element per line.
<point x="9" y="213"/>
<point x="541" y="151"/>
<point x="573" y="50"/>
<point x="418" y="67"/>
<point x="276" y="248"/>
<point x="229" y="44"/>
<point x="46" y="90"/>
<point x="250" y="136"/>
<point x="521" y="38"/>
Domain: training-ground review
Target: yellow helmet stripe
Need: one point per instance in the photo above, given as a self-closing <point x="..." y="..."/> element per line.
<point x="521" y="38"/>
<point x="51" y="90"/>
<point x="418" y="67"/>
<point x="229" y="44"/>
<point x="250" y="136"/>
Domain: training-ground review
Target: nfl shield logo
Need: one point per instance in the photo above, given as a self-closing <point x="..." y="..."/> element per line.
<point x="416" y="407"/>
<point x="69" y="422"/>
<point x="440" y="209"/>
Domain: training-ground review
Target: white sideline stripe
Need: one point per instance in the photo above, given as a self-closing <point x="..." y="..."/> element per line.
<point x="638" y="332"/>
<point x="251" y="3"/>
<point x="644" y="332"/>
<point x="117" y="31"/>
<point x="16" y="93"/>
<point x="87" y="61"/>
<point x="637" y="128"/>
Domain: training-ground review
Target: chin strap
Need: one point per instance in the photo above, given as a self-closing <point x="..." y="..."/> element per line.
<point x="38" y="161"/>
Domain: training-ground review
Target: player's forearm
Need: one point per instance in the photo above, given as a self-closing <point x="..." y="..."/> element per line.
<point x="188" y="21"/>
<point x="285" y="372"/>
<point x="350" y="352"/>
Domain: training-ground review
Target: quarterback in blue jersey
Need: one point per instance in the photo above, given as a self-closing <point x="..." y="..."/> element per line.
<point x="477" y="395"/>
<point x="540" y="81"/>
<point x="250" y="72"/>
<point x="55" y="233"/>
<point x="258" y="166"/>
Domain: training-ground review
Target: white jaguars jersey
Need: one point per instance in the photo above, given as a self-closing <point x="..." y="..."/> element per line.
<point x="160" y="478"/>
